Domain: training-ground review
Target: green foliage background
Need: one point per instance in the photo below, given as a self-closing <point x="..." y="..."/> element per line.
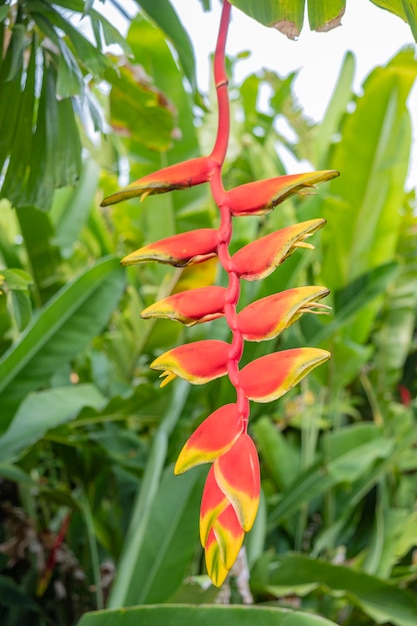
<point x="87" y="439"/>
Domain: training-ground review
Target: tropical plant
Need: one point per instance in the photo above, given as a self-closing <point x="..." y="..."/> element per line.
<point x="92" y="517"/>
<point x="231" y="493"/>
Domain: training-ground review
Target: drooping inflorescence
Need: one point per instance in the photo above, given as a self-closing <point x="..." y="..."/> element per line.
<point x="231" y="494"/>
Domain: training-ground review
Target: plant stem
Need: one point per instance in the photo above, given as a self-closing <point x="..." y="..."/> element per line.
<point x="218" y="156"/>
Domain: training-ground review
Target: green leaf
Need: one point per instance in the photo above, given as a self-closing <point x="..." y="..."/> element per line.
<point x="287" y="17"/>
<point x="87" y="54"/>
<point x="347" y="454"/>
<point x="10" y="102"/>
<point x="170" y="540"/>
<point x="42" y="411"/>
<point x="62" y="329"/>
<point x="4" y="11"/>
<point x="70" y="79"/>
<point x="381" y="601"/>
<point x="17" y="47"/>
<point x="139" y="109"/>
<point x="22" y="308"/>
<point x="175" y="615"/>
<point x="324" y="15"/>
<point x="282" y="460"/>
<point x="21" y="144"/>
<point x="330" y="124"/>
<point x="393" y="339"/>
<point x="43" y="256"/>
<point x="124" y="589"/>
<point x="351" y="301"/>
<point x="405" y="9"/>
<point x="363" y="220"/>
<point x="12" y="594"/>
<point x="110" y="33"/>
<point x="15" y="279"/>
<point x="164" y="16"/>
<point x="75" y="212"/>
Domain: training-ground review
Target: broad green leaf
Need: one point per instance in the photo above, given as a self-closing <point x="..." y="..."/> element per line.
<point x="9" y="101"/>
<point x="393" y="339"/>
<point x="20" y="148"/>
<point x="124" y="588"/>
<point x="176" y="615"/>
<point x="405" y="9"/>
<point x="41" y="180"/>
<point x="4" y="10"/>
<point x="363" y="221"/>
<point x="170" y="541"/>
<point x="87" y="54"/>
<point x="62" y="329"/>
<point x="323" y="15"/>
<point x="17" y="46"/>
<point x="74" y="214"/>
<point x="13" y="594"/>
<point x="67" y="147"/>
<point x="22" y="308"/>
<point x="347" y="454"/>
<point x="330" y="124"/>
<point x="151" y="51"/>
<point x="380" y="600"/>
<point x="14" y="473"/>
<point x="139" y="109"/>
<point x="286" y="16"/>
<point x="353" y="300"/>
<point x="164" y="16"/>
<point x="43" y="256"/>
<point x="15" y="279"/>
<point x="42" y="411"/>
<point x="282" y="460"/>
<point x="70" y="79"/>
<point x="110" y="33"/>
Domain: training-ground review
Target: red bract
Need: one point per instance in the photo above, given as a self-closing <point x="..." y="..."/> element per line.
<point x="262" y="196"/>
<point x="259" y="258"/>
<point x="269" y="377"/>
<point x="215" y="436"/>
<point x="178" y="250"/>
<point x="190" y="307"/>
<point x="178" y="176"/>
<point x="237" y="474"/>
<point x="268" y="317"/>
<point x="231" y="493"/>
<point x="197" y="362"/>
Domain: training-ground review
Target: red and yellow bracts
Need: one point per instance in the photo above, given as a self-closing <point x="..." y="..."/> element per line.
<point x="231" y="494"/>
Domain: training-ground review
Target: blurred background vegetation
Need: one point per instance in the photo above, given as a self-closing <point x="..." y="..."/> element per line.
<point x="91" y="516"/>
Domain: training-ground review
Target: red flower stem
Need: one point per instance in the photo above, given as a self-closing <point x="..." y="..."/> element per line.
<point x="218" y="156"/>
<point x="218" y="153"/>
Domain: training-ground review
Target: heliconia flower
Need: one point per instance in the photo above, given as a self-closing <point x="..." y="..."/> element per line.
<point x="259" y="258"/>
<point x="190" y="307"/>
<point x="198" y="362"/>
<point x="262" y="196"/>
<point x="237" y="475"/>
<point x="215" y="436"/>
<point x="213" y="503"/>
<point x="270" y="376"/>
<point x="179" y="250"/>
<point x="178" y="176"/>
<point x="268" y="317"/>
<point x="215" y="566"/>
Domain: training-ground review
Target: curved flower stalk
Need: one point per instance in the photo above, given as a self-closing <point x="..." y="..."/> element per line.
<point x="231" y="494"/>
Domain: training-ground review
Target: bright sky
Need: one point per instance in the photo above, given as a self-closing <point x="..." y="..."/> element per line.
<point x="374" y="35"/>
